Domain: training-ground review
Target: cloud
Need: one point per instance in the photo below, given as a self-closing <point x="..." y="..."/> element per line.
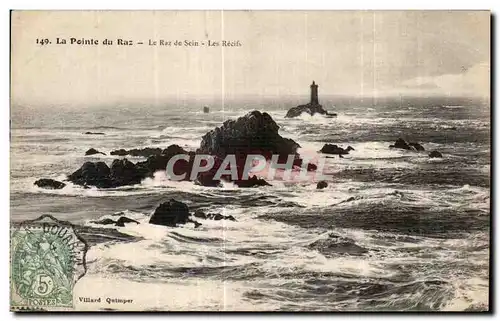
<point x="475" y="81"/>
<point x="345" y="52"/>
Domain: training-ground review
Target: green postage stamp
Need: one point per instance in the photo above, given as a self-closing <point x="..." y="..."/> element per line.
<point x="47" y="259"/>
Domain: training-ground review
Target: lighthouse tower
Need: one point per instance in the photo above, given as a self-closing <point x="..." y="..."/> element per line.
<point x="314" y="94"/>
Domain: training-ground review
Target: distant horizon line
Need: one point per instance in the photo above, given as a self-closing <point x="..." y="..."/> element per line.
<point x="215" y="98"/>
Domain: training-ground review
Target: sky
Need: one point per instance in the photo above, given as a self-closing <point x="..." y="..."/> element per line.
<point x="357" y="53"/>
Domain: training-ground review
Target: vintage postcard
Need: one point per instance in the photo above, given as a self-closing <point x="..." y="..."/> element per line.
<point x="250" y="161"/>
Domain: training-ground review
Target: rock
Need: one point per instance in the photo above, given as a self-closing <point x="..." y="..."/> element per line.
<point x="173" y="150"/>
<point x="435" y="154"/>
<point x="253" y="181"/>
<point x="215" y="217"/>
<point x="93" y="151"/>
<point x="310" y="109"/>
<point x="119" y="152"/>
<point x="49" y="183"/>
<point x="321" y="185"/>
<point x="159" y="162"/>
<point x="200" y="214"/>
<point x="124" y="172"/>
<point x="218" y="217"/>
<point x="335" y="150"/>
<point x="123" y="220"/>
<point x="254" y="133"/>
<point x="170" y="213"/>
<point x="120" y="222"/>
<point x="402" y="144"/>
<point x="206" y="110"/>
<point x="106" y="221"/>
<point x="93" y="174"/>
<point x="417" y="146"/>
<point x="144" y="152"/>
<point x="207" y="180"/>
<point x="92" y="133"/>
<point x="335" y="245"/>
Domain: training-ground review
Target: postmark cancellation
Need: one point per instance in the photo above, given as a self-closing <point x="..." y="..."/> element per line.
<point x="47" y="259"/>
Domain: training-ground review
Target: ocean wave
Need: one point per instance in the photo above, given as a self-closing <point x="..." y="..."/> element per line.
<point x="308" y="264"/>
<point x="394" y="230"/>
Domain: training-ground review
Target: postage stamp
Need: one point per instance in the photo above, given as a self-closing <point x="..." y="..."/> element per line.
<point x="47" y="259"/>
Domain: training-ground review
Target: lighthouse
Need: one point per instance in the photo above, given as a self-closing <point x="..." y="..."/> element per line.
<point x="313" y="107"/>
<point x="314" y="94"/>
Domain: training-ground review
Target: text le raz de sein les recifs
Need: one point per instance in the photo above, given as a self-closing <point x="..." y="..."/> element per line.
<point x="149" y="42"/>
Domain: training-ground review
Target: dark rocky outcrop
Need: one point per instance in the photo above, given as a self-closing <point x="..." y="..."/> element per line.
<point x="210" y="216"/>
<point x="119" y="152"/>
<point x="93" y="151"/>
<point x="402" y="144"/>
<point x="206" y="110"/>
<point x="335" y="150"/>
<point x="253" y="181"/>
<point x="417" y="146"/>
<point x="104" y="221"/>
<point x="172" y="213"/>
<point x="173" y="150"/>
<point x="156" y="163"/>
<point x="124" y="172"/>
<point x="321" y="185"/>
<point x="144" y="152"/>
<point x="207" y="180"/>
<point x="336" y="245"/>
<point x="49" y="183"/>
<point x="435" y="154"/>
<point x="93" y="174"/>
<point x="120" y="222"/>
<point x="124" y="220"/>
<point x="310" y="109"/>
<point x="254" y="133"/>
<point x="92" y="133"/>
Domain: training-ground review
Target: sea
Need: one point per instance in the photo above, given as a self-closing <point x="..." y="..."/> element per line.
<point x="394" y="230"/>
